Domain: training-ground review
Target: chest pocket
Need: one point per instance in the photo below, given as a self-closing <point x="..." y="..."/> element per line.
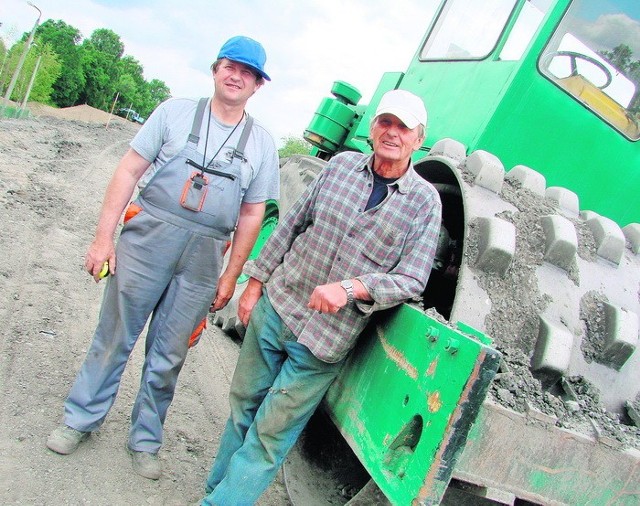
<point x="383" y="247"/>
<point x="224" y="194"/>
<point x="245" y="171"/>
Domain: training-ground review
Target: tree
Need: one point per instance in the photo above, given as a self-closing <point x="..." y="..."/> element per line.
<point x="63" y="39"/>
<point x="621" y="57"/>
<point x="158" y="92"/>
<point x="128" y="92"/>
<point x="131" y="85"/>
<point x="73" y="71"/>
<point x="99" y="85"/>
<point x="10" y="63"/>
<point x="100" y="63"/>
<point x="3" y="57"/>
<point x="47" y="73"/>
<point x="107" y="42"/>
<point x="293" y="146"/>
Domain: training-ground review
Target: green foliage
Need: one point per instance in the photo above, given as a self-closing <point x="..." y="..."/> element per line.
<point x="293" y="146"/>
<point x="107" y="42"/>
<point x="64" y="41"/>
<point x="48" y="71"/>
<point x="131" y="85"/>
<point x="158" y="92"/>
<point x="74" y="71"/>
<point x="621" y="57"/>
<point x="10" y="63"/>
<point x="100" y="64"/>
<point x="3" y="53"/>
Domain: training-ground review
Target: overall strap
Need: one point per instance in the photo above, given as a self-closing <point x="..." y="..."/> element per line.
<point x="194" y="136"/>
<point x="242" y="143"/>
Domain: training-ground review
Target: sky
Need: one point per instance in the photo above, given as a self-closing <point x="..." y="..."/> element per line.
<point x="309" y="44"/>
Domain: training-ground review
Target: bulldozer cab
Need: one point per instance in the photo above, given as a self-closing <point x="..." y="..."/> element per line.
<point x="585" y="54"/>
<point x="545" y="83"/>
<point x="550" y="84"/>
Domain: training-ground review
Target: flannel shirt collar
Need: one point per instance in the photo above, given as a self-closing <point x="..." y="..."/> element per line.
<point x="404" y="183"/>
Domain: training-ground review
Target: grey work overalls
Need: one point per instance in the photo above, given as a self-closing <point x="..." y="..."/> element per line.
<point x="169" y="262"/>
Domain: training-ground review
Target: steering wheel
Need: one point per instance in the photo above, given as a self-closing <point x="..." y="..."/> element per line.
<point x="573" y="57"/>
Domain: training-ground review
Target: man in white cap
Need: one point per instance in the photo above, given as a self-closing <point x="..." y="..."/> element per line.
<point x="360" y="239"/>
<point x="204" y="170"/>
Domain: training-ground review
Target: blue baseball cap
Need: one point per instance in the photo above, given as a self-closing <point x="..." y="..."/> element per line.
<point x="247" y="51"/>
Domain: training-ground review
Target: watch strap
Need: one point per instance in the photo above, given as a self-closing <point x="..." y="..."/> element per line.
<point x="348" y="287"/>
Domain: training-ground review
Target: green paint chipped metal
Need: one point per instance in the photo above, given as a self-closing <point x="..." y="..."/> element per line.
<point x="432" y="389"/>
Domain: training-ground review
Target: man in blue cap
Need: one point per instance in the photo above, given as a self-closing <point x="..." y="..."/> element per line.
<point x="204" y="170"/>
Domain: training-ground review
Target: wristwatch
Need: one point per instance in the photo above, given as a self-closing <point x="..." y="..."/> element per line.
<point x="348" y="287"/>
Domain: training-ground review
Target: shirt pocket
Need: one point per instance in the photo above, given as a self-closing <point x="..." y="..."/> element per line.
<point x="383" y="247"/>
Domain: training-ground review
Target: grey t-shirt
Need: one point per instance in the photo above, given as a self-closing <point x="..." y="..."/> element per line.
<point x="165" y="133"/>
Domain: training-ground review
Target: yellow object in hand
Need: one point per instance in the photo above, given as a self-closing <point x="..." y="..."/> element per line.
<point x="104" y="272"/>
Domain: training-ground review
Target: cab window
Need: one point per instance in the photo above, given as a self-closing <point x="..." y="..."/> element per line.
<point x="467" y="30"/>
<point x="594" y="55"/>
<point x="526" y="25"/>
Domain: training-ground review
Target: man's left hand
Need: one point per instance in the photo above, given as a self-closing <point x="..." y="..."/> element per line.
<point x="328" y="298"/>
<point x="226" y="287"/>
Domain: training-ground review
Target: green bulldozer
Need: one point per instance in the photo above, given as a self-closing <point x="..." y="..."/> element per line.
<point x="515" y="379"/>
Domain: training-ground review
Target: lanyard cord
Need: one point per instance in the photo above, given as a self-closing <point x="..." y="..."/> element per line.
<point x="206" y="141"/>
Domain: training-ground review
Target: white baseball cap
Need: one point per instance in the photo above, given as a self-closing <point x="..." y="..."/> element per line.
<point x="406" y="106"/>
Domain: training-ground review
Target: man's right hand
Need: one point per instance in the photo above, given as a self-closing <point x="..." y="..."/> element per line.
<point x="130" y="169"/>
<point x="98" y="253"/>
<point x="248" y="300"/>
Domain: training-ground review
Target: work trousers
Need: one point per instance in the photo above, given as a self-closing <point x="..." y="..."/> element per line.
<point x="165" y="271"/>
<point x="277" y="385"/>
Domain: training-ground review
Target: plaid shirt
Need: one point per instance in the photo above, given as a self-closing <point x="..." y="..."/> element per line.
<point x="327" y="237"/>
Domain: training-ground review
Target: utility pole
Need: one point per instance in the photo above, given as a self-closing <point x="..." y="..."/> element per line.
<point x="115" y="101"/>
<point x="16" y="73"/>
<point x="31" y="81"/>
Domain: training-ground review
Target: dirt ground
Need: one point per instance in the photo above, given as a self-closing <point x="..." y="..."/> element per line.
<point x="53" y="172"/>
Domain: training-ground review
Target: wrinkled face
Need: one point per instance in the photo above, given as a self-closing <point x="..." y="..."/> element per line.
<point x="393" y="141"/>
<point x="234" y="82"/>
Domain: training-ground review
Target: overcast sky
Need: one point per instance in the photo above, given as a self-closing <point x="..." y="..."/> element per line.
<point x="309" y="44"/>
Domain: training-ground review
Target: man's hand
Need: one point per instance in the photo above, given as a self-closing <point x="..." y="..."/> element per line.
<point x="224" y="292"/>
<point x="130" y="169"/>
<point x="328" y="298"/>
<point x="248" y="300"/>
<point x="99" y="252"/>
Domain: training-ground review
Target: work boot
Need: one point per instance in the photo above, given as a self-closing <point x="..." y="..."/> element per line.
<point x="64" y="440"/>
<point x="146" y="464"/>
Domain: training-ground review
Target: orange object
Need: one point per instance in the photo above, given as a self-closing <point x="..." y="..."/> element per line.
<point x="131" y="211"/>
<point x="197" y="333"/>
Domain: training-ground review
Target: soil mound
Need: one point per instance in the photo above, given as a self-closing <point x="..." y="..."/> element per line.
<point x="83" y="112"/>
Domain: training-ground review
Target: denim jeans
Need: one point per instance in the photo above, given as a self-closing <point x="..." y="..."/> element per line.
<point x="276" y="387"/>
